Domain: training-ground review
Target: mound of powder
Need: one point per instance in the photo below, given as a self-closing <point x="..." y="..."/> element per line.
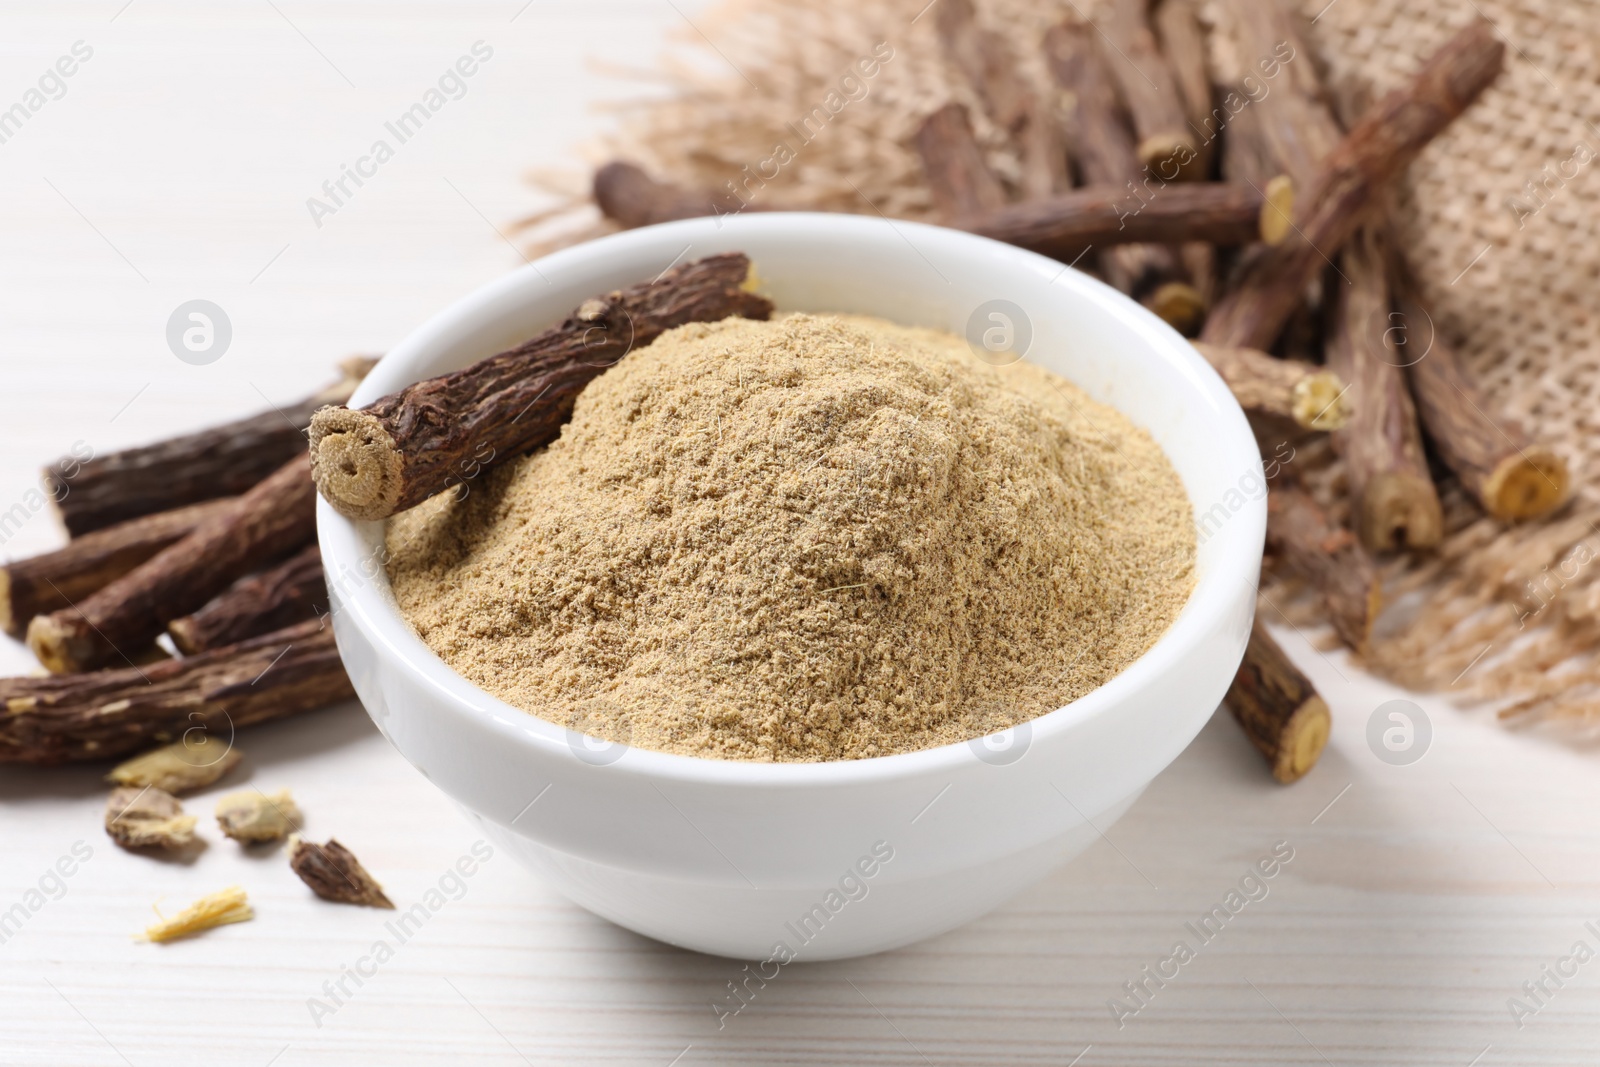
<point x="815" y="538"/>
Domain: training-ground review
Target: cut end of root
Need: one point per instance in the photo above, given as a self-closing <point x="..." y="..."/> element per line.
<point x="752" y="280"/>
<point x="1277" y="210"/>
<point x="1400" y="510"/>
<point x="1180" y="305"/>
<point x="1171" y="157"/>
<point x="8" y="615"/>
<point x="184" y="635"/>
<point x="51" y="642"/>
<point x="355" y="464"/>
<point x="1302" y="741"/>
<point x="1527" y="485"/>
<point x="1321" y="402"/>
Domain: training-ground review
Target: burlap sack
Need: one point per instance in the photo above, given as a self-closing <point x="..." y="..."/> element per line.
<point x="1498" y="217"/>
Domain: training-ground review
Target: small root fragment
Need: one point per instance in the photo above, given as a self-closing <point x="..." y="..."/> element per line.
<point x="333" y="873"/>
<point x="181" y="767"/>
<point x="148" y="818"/>
<point x="224" y="906"/>
<point x="251" y="815"/>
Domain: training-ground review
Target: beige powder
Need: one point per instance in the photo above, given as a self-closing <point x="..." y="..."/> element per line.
<point x="811" y="539"/>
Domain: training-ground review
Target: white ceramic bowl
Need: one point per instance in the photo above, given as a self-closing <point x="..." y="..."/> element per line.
<point x="824" y="860"/>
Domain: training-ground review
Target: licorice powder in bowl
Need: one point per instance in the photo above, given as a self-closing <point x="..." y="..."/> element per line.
<point x="815" y="538"/>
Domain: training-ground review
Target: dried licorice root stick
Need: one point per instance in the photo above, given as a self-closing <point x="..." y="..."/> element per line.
<point x="1166" y="144"/>
<point x="225" y="460"/>
<point x="959" y="179"/>
<point x="1301" y="536"/>
<point x="1279" y="709"/>
<point x="1062" y="226"/>
<point x="398" y="451"/>
<point x="1387" y="138"/>
<point x="1067" y="225"/>
<point x="991" y="67"/>
<point x="104" y="714"/>
<point x="1104" y="151"/>
<point x="276" y="517"/>
<point x="1248" y="160"/>
<point x="1513" y="476"/>
<point x="291" y="592"/>
<point x="1314" y="397"/>
<point x="42" y="584"/>
<point x="1183" y="44"/>
<point x="630" y="197"/>
<point x="986" y="62"/>
<point x="1293" y="124"/>
<point x="1395" y="503"/>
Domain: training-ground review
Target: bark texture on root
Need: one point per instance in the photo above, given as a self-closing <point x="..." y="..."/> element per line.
<point x="1293" y="125"/>
<point x="41" y="584"/>
<point x="223" y="461"/>
<point x="1183" y="43"/>
<point x="959" y="179"/>
<point x="1071" y="223"/>
<point x="987" y="61"/>
<point x="1279" y="709"/>
<point x="1105" y="154"/>
<point x="105" y="714"/>
<point x="1382" y="144"/>
<point x="281" y="596"/>
<point x="1166" y="145"/>
<point x="1067" y="226"/>
<point x="333" y="873"/>
<point x="274" y="518"/>
<point x="403" y="448"/>
<point x="1307" y="542"/>
<point x="1513" y="476"/>
<point x="630" y="197"/>
<point x="1392" y="493"/>
<point x="1314" y="397"/>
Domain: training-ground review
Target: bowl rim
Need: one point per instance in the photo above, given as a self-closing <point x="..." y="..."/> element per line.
<point x="1211" y="604"/>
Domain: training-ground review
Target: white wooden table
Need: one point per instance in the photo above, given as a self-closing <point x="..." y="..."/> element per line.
<point x="177" y="165"/>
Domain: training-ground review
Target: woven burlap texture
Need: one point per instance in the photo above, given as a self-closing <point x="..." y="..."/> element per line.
<point x="1498" y="217"/>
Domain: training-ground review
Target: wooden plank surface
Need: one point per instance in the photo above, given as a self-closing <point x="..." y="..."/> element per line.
<point x="176" y="166"/>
